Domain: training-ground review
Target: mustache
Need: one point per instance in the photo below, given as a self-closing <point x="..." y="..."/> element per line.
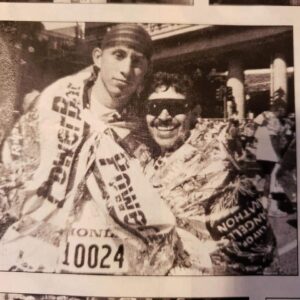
<point x="159" y="122"/>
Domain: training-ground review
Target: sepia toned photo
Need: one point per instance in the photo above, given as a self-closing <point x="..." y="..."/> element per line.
<point x="256" y="2"/>
<point x="147" y="149"/>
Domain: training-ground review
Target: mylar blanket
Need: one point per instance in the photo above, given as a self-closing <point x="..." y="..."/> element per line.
<point x="83" y="206"/>
<point x="212" y="199"/>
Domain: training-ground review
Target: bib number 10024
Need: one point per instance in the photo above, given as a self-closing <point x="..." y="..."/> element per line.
<point x="92" y="257"/>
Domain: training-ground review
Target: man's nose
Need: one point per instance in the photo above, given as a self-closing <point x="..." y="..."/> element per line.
<point x="126" y="66"/>
<point x="164" y="115"/>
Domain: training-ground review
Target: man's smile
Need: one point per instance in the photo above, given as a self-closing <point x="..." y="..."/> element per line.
<point x="166" y="128"/>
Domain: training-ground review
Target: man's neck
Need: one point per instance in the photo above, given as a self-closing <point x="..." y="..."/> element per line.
<point x="100" y="94"/>
<point x="100" y="101"/>
<point x="175" y="147"/>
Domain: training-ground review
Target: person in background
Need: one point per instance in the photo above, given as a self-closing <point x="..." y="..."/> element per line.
<point x="268" y="152"/>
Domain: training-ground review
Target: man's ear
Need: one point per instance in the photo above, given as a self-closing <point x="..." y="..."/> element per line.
<point x="97" y="57"/>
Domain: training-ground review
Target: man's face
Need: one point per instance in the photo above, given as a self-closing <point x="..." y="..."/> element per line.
<point x="122" y="72"/>
<point x="168" y="117"/>
<point x="281" y="112"/>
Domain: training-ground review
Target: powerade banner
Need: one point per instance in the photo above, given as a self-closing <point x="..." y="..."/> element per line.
<point x="128" y="236"/>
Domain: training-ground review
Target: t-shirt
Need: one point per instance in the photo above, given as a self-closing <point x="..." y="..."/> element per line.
<point x="265" y="149"/>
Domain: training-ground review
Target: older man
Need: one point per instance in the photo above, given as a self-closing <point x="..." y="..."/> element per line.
<point x="80" y="202"/>
<point x="201" y="182"/>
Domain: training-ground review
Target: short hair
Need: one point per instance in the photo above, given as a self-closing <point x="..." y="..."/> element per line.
<point x="278" y="103"/>
<point x="182" y="83"/>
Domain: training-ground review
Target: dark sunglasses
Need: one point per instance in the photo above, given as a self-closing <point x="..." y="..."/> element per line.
<point x="173" y="106"/>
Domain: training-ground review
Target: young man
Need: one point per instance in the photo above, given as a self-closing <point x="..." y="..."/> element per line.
<point x="199" y="179"/>
<point x="81" y="203"/>
<point x="269" y="133"/>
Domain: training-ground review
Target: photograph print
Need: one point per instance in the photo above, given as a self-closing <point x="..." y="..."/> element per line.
<point x="147" y="149"/>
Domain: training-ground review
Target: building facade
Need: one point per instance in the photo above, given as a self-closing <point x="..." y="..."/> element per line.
<point x="254" y="61"/>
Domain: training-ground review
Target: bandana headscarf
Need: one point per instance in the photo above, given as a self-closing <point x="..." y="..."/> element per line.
<point x="131" y="35"/>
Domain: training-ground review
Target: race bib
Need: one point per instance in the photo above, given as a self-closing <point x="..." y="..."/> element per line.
<point x="94" y="251"/>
